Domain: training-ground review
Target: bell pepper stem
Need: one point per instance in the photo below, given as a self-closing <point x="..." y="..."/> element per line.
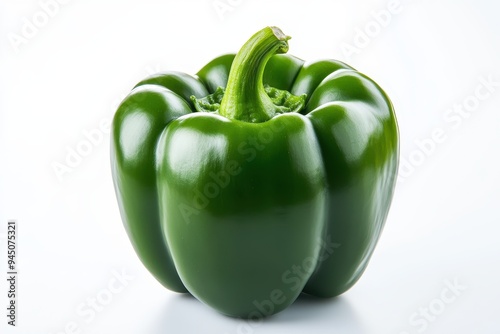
<point x="245" y="98"/>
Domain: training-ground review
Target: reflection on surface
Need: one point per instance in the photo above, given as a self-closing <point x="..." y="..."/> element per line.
<point x="185" y="314"/>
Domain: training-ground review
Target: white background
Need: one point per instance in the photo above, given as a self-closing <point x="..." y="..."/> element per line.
<point x="67" y="78"/>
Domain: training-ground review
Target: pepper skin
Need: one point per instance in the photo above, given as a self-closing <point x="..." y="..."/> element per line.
<point x="246" y="195"/>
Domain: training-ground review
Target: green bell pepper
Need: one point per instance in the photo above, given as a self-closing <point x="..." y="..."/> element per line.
<point x="230" y="183"/>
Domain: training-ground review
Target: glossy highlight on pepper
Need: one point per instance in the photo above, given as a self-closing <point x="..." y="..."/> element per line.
<point x="259" y="178"/>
